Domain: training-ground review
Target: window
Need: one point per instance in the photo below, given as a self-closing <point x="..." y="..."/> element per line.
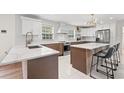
<point x="47" y="31"/>
<point x="71" y="34"/>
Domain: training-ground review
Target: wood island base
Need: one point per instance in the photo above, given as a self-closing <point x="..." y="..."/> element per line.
<point x="81" y="59"/>
<point x="43" y="68"/>
<point x="40" y="68"/>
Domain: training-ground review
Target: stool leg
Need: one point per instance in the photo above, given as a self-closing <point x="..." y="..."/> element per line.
<point x="115" y="61"/>
<point x="97" y="64"/>
<point x="118" y="56"/>
<point x="112" y="69"/>
<point x="91" y="67"/>
<point x="106" y="69"/>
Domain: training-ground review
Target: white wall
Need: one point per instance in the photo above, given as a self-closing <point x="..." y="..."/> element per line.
<point x="119" y="31"/>
<point x="123" y="38"/>
<point x="7" y="22"/>
<point x="112" y="33"/>
<point x="119" y="35"/>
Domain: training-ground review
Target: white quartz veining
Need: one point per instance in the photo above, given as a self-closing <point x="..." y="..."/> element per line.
<point x="46" y="42"/>
<point x="22" y="53"/>
<point x="90" y="45"/>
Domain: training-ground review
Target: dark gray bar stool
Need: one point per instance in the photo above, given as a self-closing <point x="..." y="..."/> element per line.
<point x="106" y="57"/>
<point x="117" y="53"/>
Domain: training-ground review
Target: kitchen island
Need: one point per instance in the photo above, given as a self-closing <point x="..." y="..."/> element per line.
<point x="30" y="63"/>
<point x="81" y="55"/>
<point x="56" y="45"/>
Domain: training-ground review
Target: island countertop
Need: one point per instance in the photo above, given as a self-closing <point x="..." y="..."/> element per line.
<point x="22" y="53"/>
<point x="90" y="46"/>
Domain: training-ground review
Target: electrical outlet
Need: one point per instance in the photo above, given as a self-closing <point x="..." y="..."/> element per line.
<point x="3" y="31"/>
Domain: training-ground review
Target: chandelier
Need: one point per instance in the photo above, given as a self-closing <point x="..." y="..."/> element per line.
<point x="91" y="22"/>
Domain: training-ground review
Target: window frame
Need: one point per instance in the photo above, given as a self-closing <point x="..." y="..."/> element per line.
<point x="47" y="34"/>
<point x="72" y="34"/>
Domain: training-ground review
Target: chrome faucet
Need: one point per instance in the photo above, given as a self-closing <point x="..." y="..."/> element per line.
<point x="28" y="41"/>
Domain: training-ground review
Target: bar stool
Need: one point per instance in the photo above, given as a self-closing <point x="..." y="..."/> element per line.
<point x="106" y="57"/>
<point x="117" y="53"/>
<point x="116" y="56"/>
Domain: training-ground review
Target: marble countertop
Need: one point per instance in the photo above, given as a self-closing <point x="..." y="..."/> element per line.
<point x="45" y="42"/>
<point x="50" y="42"/>
<point x="22" y="53"/>
<point x="53" y="41"/>
<point x="90" y="46"/>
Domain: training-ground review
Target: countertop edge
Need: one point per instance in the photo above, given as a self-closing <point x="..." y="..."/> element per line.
<point x="55" y="52"/>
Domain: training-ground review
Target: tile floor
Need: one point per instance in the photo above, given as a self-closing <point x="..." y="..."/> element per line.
<point x="66" y="71"/>
<point x="119" y="74"/>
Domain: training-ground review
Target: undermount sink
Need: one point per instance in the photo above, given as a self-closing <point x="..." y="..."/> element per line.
<point x="35" y="46"/>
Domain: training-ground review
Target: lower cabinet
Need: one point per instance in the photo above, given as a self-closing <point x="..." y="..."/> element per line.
<point x="40" y="68"/>
<point x="57" y="46"/>
<point x="11" y="71"/>
<point x="43" y="68"/>
<point x="81" y="42"/>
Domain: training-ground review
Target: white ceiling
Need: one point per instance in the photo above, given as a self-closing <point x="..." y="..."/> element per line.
<point x="79" y="19"/>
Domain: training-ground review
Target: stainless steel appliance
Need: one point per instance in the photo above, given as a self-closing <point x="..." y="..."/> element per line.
<point x="67" y="46"/>
<point x="103" y="36"/>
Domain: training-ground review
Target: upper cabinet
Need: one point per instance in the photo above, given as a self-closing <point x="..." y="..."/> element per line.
<point x="31" y="25"/>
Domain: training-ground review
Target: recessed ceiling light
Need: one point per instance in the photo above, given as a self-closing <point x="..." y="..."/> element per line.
<point x="111" y="18"/>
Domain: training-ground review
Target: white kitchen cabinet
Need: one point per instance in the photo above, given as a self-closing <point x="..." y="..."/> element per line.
<point x="37" y="28"/>
<point x="65" y="28"/>
<point x="31" y="25"/>
<point x="26" y="26"/>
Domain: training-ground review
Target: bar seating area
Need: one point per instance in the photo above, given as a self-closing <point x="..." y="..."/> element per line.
<point x="107" y="59"/>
